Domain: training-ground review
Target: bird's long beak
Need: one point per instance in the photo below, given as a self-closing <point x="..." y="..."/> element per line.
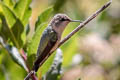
<point x="75" y="21"/>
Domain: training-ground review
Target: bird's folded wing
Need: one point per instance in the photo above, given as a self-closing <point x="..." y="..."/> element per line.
<point x="46" y="44"/>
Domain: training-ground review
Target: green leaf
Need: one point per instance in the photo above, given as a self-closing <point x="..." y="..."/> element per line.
<point x="4" y="31"/>
<point x="12" y="26"/>
<point x="26" y="16"/>
<point x="3" y="73"/>
<point x="56" y="67"/>
<point x="44" y="16"/>
<point x="33" y="44"/>
<point x="70" y="47"/>
<point x="23" y="11"/>
<point x="18" y="30"/>
<point x="9" y="3"/>
<point x="69" y="52"/>
<point x="11" y="70"/>
<point x="0" y="22"/>
<point x="30" y="60"/>
<point x="27" y="29"/>
<point x="10" y="17"/>
<point x="16" y="56"/>
<point x="2" y="51"/>
<point x="14" y="53"/>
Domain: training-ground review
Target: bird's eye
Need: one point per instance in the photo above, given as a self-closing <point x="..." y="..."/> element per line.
<point x="62" y="19"/>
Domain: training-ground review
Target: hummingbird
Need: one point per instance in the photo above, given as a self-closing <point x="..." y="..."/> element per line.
<point x="51" y="37"/>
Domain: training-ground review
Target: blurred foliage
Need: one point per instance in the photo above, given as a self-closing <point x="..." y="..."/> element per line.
<point x="56" y="68"/>
<point x="14" y="53"/>
<point x="98" y="43"/>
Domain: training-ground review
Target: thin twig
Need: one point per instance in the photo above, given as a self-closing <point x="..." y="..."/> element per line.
<point x="33" y="76"/>
<point x="23" y="54"/>
<point x="77" y="29"/>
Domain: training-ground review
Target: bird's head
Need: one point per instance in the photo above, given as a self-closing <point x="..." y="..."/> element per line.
<point x="60" y="21"/>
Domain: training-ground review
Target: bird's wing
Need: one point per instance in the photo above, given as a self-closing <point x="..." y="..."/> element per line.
<point x="43" y="42"/>
<point x="47" y="42"/>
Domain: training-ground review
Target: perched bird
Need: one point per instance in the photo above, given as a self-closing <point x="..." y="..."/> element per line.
<point x="51" y="38"/>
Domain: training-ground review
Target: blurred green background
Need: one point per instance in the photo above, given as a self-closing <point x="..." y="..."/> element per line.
<point x="91" y="54"/>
